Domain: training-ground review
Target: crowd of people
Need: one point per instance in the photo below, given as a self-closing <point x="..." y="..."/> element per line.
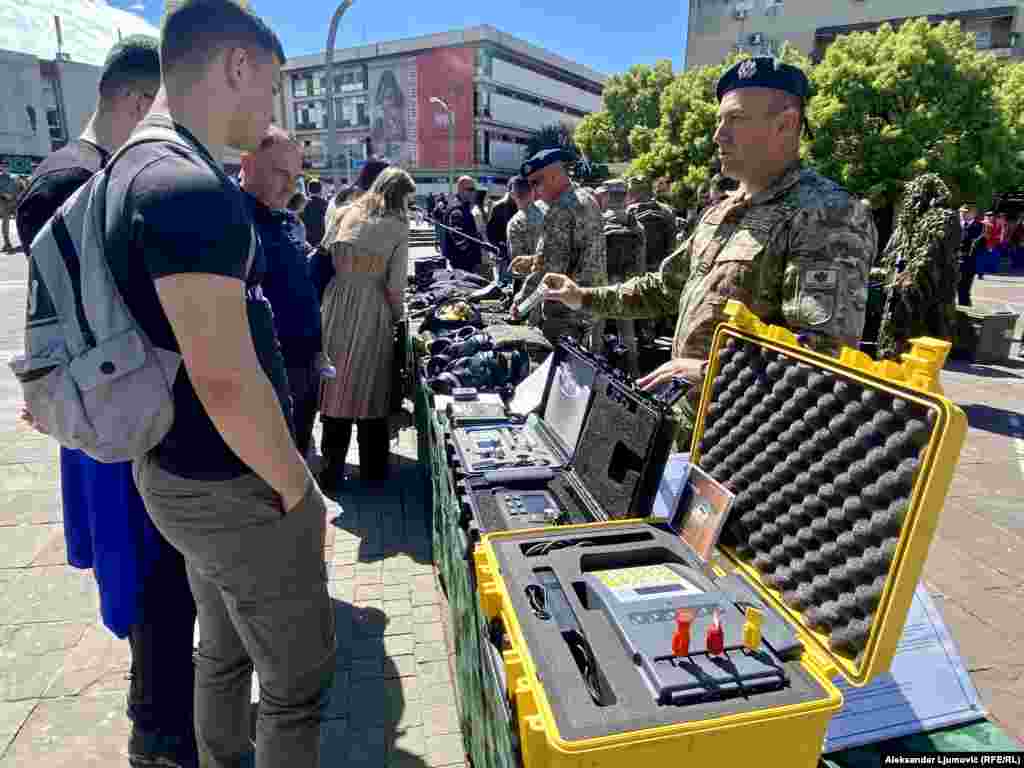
<point x="280" y="305"/>
<point x="283" y="304"/>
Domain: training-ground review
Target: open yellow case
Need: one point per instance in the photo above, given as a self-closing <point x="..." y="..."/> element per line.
<point x="840" y="468"/>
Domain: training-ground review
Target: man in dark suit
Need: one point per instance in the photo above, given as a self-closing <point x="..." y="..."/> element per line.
<point x="497" y="229"/>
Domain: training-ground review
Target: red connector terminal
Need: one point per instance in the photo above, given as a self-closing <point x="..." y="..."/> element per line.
<point x="681" y="638"/>
<point x="715" y="640"/>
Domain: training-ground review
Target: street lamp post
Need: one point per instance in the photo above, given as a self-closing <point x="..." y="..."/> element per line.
<point x="329" y="65"/>
<point x="451" y="142"/>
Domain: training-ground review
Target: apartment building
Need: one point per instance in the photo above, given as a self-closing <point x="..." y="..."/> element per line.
<point x="719" y="27"/>
<point x="43" y="104"/>
<point x="500" y="90"/>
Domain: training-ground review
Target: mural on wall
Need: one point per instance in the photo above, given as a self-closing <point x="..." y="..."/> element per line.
<point x="446" y="73"/>
<point x="393" y="112"/>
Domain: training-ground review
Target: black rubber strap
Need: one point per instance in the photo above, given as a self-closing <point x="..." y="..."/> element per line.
<point x="74" y="268"/>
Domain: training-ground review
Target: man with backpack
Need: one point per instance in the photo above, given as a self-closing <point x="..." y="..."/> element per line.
<point x="169" y="324"/>
<point x="226" y="485"/>
<point x="143" y="586"/>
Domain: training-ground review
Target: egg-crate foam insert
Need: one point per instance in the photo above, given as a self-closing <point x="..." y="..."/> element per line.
<point x="634" y="708"/>
<point x="481" y="498"/>
<point x="823" y="469"/>
<point x="622" y="450"/>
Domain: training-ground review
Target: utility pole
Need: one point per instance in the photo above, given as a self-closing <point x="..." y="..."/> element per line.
<point x="451" y="142"/>
<point x="332" y="139"/>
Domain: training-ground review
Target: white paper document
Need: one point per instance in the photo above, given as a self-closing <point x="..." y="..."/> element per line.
<point x="530" y="391"/>
<point x="927" y="687"/>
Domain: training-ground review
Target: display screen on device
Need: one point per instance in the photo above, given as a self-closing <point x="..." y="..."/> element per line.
<point x="567" y="401"/>
<point x="534" y="503"/>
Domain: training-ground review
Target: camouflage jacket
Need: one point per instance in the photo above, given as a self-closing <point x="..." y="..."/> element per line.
<point x="524" y="231"/>
<point x="797" y="254"/>
<point x="572" y="243"/>
<point x="625" y="245"/>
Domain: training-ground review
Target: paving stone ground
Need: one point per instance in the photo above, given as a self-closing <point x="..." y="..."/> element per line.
<point x="63" y="676"/>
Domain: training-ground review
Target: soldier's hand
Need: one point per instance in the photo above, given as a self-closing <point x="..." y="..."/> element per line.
<point x="684" y="367"/>
<point x="562" y="289"/>
<point x="522" y="265"/>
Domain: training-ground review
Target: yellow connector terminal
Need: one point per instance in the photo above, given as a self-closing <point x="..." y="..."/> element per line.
<point x="752" y="629"/>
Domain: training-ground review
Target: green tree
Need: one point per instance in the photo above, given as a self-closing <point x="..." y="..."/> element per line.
<point x="553" y="136"/>
<point x="595" y="136"/>
<point x="682" y="146"/>
<point x="1010" y="95"/>
<point x="893" y="104"/>
<point x="634" y="99"/>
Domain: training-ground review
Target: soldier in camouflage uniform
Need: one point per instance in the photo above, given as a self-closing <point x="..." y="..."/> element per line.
<point x="922" y="270"/>
<point x="626" y="248"/>
<point x="10" y="189"/>
<point x="790" y="244"/>
<point x="571" y="241"/>
<point x="523" y="235"/>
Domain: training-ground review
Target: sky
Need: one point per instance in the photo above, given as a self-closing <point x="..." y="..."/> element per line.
<point x="605" y="36"/>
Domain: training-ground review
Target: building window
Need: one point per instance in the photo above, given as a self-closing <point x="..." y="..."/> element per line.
<point x="310" y="116"/>
<point x="352" y="80"/>
<point x="351" y="111"/>
<point x="982" y="39"/>
<point x="308" y="84"/>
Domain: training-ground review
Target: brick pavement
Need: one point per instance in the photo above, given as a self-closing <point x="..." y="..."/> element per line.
<point x="974" y="566"/>
<point x="63" y="676"/>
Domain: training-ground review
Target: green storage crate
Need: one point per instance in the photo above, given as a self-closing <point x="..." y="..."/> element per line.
<point x="985" y="332"/>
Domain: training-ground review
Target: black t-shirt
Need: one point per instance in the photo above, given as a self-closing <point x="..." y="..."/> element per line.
<point x="170" y="213"/>
<point x="53" y="182"/>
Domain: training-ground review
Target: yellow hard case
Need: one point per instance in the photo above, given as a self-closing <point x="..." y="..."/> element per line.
<point x="782" y="737"/>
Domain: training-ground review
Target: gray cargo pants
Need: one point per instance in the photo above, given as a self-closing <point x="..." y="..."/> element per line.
<point x="260" y="586"/>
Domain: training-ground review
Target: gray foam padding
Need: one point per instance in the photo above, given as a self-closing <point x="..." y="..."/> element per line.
<point x="623" y="448"/>
<point x="823" y="469"/>
<point x="634" y="707"/>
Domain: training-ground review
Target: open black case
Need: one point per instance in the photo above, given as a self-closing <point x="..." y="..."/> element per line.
<point x="607" y="445"/>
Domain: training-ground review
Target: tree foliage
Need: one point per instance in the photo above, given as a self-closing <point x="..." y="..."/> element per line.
<point x="595" y="136"/>
<point x="893" y="104"/>
<point x="682" y="146"/>
<point x="632" y="99"/>
<point x="552" y="136"/>
<point x="1010" y="96"/>
<point x="887" y="106"/>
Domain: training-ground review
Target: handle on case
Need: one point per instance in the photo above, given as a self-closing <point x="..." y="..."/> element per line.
<point x="462" y="542"/>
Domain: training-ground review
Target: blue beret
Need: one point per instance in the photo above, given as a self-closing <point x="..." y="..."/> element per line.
<point x="544" y="158"/>
<point x="764" y="72"/>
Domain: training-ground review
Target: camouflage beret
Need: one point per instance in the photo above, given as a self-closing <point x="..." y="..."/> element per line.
<point x="544" y="158"/>
<point x="764" y="72"/>
<point x="136" y="54"/>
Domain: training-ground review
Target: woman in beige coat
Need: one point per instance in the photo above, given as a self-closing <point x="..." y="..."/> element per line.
<point x="370" y="251"/>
